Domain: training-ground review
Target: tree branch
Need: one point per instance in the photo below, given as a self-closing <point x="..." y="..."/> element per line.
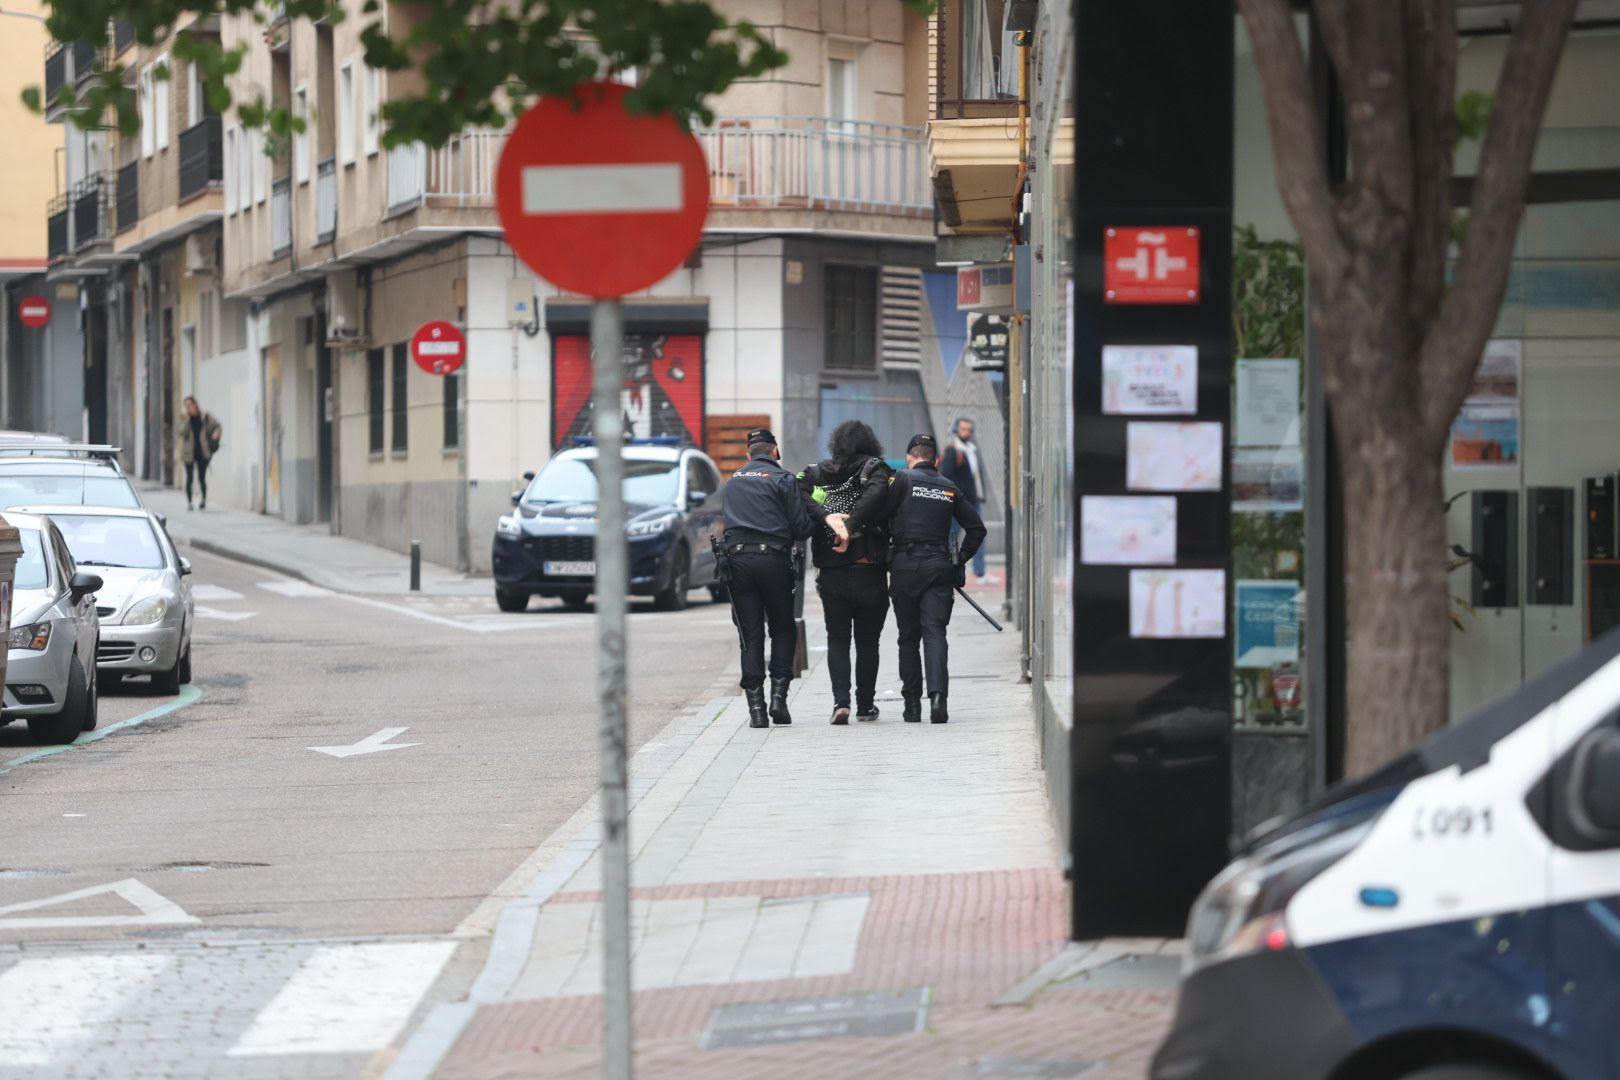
<point x="1431" y="65"/>
<point x="1298" y="144"/>
<point x="1457" y="337"/>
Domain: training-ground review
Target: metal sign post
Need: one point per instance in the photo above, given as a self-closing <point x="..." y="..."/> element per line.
<point x="612" y="580"/>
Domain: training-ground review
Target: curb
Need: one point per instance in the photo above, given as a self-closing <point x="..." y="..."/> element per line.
<point x="226" y="551"/>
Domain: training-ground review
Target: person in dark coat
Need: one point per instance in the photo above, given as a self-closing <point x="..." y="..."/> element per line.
<point x="962" y="465"/>
<point x="199" y="435"/>
<point x="850" y="578"/>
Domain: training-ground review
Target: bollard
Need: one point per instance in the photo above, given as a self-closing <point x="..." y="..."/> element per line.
<point x="416" y="566"/>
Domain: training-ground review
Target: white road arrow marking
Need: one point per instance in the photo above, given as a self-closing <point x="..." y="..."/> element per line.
<point x="155" y="909"/>
<point x="603" y="189"/>
<point x="371" y="744"/>
<point x="228" y="616"/>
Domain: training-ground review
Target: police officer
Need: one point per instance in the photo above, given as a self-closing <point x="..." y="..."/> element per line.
<point x="764" y="519"/>
<point x="922" y="505"/>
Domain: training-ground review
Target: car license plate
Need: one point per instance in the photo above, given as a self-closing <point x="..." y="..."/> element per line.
<point x="570" y="569"/>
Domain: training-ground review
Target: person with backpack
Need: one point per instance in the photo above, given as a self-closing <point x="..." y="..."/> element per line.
<point x="850" y="567"/>
<point x="200" y="435"/>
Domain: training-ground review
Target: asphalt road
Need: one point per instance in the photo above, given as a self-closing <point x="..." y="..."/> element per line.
<point x="220" y="806"/>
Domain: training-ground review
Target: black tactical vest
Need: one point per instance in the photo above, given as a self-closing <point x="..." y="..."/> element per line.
<point x="926" y="509"/>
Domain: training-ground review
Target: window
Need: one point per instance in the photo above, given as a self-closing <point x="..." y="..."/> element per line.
<point x="700" y="478"/>
<point x="452" y="411"/>
<point x="195" y="101"/>
<point x="841" y="90"/>
<point x="160" y="102"/>
<point x="260" y="165"/>
<point x="401" y="380"/>
<point x="233" y="170"/>
<point x="345" y="114"/>
<point x="374" y="398"/>
<point x="368" y="118"/>
<point x="143" y="103"/>
<point x="851" y="318"/>
<point x="300" y="139"/>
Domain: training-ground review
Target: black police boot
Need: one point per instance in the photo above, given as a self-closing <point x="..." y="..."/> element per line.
<point x="756" y="707"/>
<point x="779" y="709"/>
<point x="912" y="712"/>
<point x="866" y="712"/>
<point x="936" y="709"/>
<point x="840" y="717"/>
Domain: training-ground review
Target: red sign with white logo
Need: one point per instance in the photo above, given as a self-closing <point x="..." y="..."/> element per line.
<point x="1150" y="266"/>
<point x="34" y="311"/>
<point x="438" y="348"/>
<point x="598" y="201"/>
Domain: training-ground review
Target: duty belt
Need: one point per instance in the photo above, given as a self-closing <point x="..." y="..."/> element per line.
<point x="926" y="545"/>
<point x="756" y="549"/>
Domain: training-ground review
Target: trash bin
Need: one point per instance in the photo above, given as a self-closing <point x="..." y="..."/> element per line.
<point x="10" y="550"/>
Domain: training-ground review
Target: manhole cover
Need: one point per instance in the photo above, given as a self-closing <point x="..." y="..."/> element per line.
<point x="1133" y="971"/>
<point x="30" y="873"/>
<point x="1022" y="1068"/>
<point x="185" y="867"/>
<point x="820" y="1018"/>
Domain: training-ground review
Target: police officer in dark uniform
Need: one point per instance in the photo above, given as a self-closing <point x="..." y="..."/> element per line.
<point x="922" y="504"/>
<point x="764" y="519"/>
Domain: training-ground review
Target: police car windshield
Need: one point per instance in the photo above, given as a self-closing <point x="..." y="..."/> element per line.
<point x="573" y="479"/>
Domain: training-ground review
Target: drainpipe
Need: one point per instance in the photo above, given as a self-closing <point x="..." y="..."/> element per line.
<point x="1012" y="389"/>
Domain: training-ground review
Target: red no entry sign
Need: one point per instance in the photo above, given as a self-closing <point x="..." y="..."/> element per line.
<point x="1150" y="266"/>
<point x="438" y="348"/>
<point x="34" y="311"/>
<point x="598" y="201"/>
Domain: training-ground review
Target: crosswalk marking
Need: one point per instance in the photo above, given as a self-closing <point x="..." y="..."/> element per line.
<point x="213" y="594"/>
<point x="345" y="999"/>
<point x="206" y="612"/>
<point x="294" y="589"/>
<point x="52" y="1004"/>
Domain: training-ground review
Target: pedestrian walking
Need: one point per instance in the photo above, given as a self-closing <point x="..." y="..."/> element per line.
<point x="961" y="465"/>
<point x="923" y="507"/>
<point x="200" y="436"/>
<point x="765" y="518"/>
<point x="850" y="576"/>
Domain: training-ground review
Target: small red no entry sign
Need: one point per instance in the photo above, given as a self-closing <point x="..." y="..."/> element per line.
<point x="596" y="200"/>
<point x="438" y="347"/>
<point x="34" y="311"/>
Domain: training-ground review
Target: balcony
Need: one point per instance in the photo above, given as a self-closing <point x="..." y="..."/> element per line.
<point x="94" y="209"/>
<point x="202" y="158"/>
<point x="975" y="61"/>
<point x="84" y="61"/>
<point x="281" y="232"/>
<point x="129" y="196"/>
<point x="58" y="228"/>
<point x="56" y="59"/>
<point x="123" y="35"/>
<point x="755" y="163"/>
<point x="325" y="201"/>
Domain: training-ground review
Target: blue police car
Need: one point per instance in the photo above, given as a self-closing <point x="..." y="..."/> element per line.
<point x="546" y="546"/>
<point x="1454" y="916"/>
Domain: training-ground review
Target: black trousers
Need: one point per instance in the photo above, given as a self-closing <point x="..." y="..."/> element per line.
<point x="200" y="466"/>
<point x="922" y="609"/>
<point x="761" y="597"/>
<point x="855" y="604"/>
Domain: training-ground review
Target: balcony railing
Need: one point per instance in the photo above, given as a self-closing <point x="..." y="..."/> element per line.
<point x="754" y="162"/>
<point x="202" y="157"/>
<point x="94" y="210"/>
<point x="84" y="60"/>
<point x="58" y="227"/>
<point x="56" y="58"/>
<point x="129" y="195"/>
<point x="281" y="237"/>
<point x="325" y="200"/>
<point x="123" y="35"/>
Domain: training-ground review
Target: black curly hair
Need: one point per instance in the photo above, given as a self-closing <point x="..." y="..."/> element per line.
<point x="852" y="440"/>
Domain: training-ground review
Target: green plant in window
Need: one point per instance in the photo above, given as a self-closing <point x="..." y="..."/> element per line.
<point x="1268" y="296"/>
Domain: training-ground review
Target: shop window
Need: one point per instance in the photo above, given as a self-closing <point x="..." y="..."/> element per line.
<point x="401" y="381"/>
<point x="452" y="412"/>
<point x="851" y="318"/>
<point x="374" y="398"/>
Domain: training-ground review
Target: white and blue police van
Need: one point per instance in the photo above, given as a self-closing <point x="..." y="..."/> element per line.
<point x="1455" y="915"/>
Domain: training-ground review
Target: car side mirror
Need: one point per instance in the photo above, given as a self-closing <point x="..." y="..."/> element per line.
<point x="185" y="567"/>
<point x="83" y="584"/>
<point x="517" y="497"/>
<point x="162" y="519"/>
<point x="529" y="475"/>
<point x="696" y="498"/>
<point x="1593" y="798"/>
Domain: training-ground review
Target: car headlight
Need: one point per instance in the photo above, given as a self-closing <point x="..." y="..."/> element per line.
<point x="148" y="611"/>
<point x="1242" y="910"/>
<point x="34" y="637"/>
<point x="650" y="528"/>
<point x="508" y="526"/>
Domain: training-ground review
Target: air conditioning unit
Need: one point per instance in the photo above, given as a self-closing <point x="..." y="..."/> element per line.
<point x="200" y="253"/>
<point x="344" y="319"/>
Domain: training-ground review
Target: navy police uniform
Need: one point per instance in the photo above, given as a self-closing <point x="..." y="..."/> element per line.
<point x="922" y="505"/>
<point x="764" y="519"/>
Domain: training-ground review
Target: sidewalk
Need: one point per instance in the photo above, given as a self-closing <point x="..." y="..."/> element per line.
<point x="307" y="552"/>
<point x="877" y="900"/>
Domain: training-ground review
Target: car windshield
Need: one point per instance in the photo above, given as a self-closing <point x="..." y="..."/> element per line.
<point x="573" y="479"/>
<point x="30" y="573"/>
<point x="96" y="540"/>
<point x="78" y="489"/>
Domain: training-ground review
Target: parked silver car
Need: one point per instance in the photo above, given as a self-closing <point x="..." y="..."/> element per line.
<point x="39" y="470"/>
<point x="50" y="667"/>
<point x="145" y="600"/>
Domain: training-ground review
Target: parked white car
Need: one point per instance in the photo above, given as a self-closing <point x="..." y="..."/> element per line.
<point x="50" y="666"/>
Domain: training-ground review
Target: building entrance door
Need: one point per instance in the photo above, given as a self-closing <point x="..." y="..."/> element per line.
<point x="323" y="424"/>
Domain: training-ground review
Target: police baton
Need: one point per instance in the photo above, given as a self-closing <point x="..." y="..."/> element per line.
<point x="963" y="594"/>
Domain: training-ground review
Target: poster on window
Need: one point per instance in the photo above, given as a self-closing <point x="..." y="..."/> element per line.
<point x="1178" y="603"/>
<point x="1266" y="615"/>
<point x="662" y="394"/>
<point x="1148" y="380"/>
<point x="1173" y="457"/>
<point x="1117" y="529"/>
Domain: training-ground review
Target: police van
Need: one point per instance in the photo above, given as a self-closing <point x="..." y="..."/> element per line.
<point x="1455" y="915"/>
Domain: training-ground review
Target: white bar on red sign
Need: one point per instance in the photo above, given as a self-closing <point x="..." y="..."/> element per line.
<point x="34" y="311"/>
<point x="438" y="348"/>
<point x="602" y="189"/>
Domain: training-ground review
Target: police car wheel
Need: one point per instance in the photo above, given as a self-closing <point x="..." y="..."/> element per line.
<point x="680" y="582"/>
<point x="1466" y="1071"/>
<point x="511" y="600"/>
<point x="576" y="601"/>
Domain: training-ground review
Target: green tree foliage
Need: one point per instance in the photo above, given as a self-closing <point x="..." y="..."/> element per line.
<point x="481" y="61"/>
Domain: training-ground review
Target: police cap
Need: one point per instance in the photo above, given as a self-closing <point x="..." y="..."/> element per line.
<point x="926" y="442"/>
<point x="761" y="435"/>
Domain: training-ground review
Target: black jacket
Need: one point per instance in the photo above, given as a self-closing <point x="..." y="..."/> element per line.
<point x="955" y="467"/>
<point x="763" y="506"/>
<point x="871" y="545"/>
